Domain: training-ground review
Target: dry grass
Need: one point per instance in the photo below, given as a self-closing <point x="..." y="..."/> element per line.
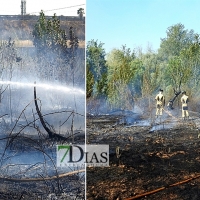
<point x="29" y="43"/>
<point x="24" y="43"/>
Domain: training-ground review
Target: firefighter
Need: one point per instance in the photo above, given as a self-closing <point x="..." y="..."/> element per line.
<point x="160" y="102"/>
<point x="184" y="101"/>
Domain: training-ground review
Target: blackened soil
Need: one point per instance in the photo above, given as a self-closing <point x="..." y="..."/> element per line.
<point x="68" y="187"/>
<point x="64" y="188"/>
<point x="147" y="161"/>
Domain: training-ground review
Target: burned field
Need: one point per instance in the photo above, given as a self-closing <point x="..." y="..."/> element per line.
<point x="32" y="123"/>
<point x="149" y="159"/>
<point x="28" y="167"/>
<point x="68" y="187"/>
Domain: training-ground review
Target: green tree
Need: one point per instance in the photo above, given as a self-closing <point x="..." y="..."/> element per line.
<point x="80" y="12"/>
<point x="177" y="39"/>
<point x="89" y="82"/>
<point x="150" y="79"/>
<point x="56" y="50"/>
<point x="96" y="65"/>
<point x="121" y="70"/>
<point x="147" y="75"/>
<point x="191" y="57"/>
<point x="178" y="71"/>
<point x="172" y="54"/>
<point x="49" y="36"/>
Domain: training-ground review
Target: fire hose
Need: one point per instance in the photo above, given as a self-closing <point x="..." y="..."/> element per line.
<point x="162" y="188"/>
<point x="42" y="179"/>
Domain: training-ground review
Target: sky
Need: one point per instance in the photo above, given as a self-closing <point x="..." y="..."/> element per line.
<point x="60" y="7"/>
<point x="138" y="23"/>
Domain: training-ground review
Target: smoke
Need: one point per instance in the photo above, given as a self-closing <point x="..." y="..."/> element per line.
<point x="142" y="113"/>
<point x="56" y="84"/>
<point x="26" y="150"/>
<point x="53" y="98"/>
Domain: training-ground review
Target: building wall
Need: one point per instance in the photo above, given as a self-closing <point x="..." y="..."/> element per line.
<point x="36" y="17"/>
<point x="20" y="27"/>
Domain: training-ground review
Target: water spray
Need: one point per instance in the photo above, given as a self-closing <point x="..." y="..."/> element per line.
<point x="46" y="87"/>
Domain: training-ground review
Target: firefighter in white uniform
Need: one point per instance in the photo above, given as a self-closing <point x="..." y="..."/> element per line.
<point x="160" y="102"/>
<point x="184" y="101"/>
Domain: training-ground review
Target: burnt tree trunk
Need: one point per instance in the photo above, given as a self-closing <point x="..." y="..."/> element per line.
<point x="171" y="101"/>
<point x="50" y="132"/>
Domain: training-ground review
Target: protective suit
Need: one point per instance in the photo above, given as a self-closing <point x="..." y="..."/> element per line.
<point x="160" y="103"/>
<point x="184" y="101"/>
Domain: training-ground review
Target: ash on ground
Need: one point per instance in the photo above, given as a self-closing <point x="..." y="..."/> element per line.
<point x="153" y="153"/>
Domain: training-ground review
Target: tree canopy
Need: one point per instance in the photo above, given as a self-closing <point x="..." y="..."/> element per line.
<point x="96" y="67"/>
<point x="174" y="67"/>
<point x="49" y="36"/>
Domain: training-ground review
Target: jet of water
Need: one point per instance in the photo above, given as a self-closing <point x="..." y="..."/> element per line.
<point x="71" y="90"/>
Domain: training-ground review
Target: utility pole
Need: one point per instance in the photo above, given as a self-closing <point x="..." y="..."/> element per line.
<point x="23" y="7"/>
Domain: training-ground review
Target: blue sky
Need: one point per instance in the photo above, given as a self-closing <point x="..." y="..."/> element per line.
<point x="138" y="23"/>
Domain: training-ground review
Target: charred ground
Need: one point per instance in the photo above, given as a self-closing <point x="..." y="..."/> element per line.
<point x="148" y="160"/>
<point x="28" y="167"/>
<point x="39" y="180"/>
